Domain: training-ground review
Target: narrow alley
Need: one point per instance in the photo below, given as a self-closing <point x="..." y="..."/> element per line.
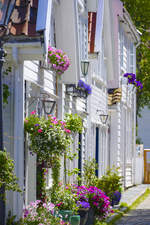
<point x="138" y="216"/>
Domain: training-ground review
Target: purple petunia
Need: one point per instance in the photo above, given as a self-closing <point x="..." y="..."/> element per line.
<point x="85" y="86"/>
<point x="132" y="80"/>
<point x="83" y="204"/>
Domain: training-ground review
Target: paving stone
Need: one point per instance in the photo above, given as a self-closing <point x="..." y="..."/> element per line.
<point x="139" y="216"/>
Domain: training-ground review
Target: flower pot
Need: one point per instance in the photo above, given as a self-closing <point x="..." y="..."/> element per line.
<point x="116" y="198"/>
<point x="66" y="214"/>
<point x="91" y="218"/>
<point x="74" y="220"/>
<point x="83" y="216"/>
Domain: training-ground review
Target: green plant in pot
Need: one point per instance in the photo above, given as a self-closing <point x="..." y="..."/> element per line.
<point x="111" y="184"/>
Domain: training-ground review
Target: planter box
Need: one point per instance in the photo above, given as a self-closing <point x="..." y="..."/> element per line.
<point x="83" y="216"/>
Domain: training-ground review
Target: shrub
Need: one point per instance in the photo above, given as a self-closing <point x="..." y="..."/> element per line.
<point x="89" y="176"/>
<point x="110" y="182"/>
<point x="7" y="176"/>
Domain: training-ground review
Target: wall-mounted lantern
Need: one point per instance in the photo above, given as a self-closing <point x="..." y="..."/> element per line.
<point x="84" y="67"/>
<point x="48" y="106"/>
<point x="103" y="116"/>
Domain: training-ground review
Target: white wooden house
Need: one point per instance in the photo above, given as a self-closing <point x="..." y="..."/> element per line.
<point x="98" y="30"/>
<point x="125" y="38"/>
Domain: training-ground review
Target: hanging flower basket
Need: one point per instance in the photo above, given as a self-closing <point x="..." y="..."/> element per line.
<point x="48" y="137"/>
<point x="85" y="87"/>
<point x="132" y="80"/>
<point x="58" y="59"/>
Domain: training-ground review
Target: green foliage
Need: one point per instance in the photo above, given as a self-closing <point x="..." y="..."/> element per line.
<point x="74" y="123"/>
<point x="49" y="137"/>
<point x="7" y="176"/>
<point x="64" y="199"/>
<point x="6" y="91"/>
<point x="56" y="165"/>
<point x="89" y="168"/>
<point x="41" y="182"/>
<point x="140" y="13"/>
<point x="11" y="220"/>
<point x="110" y="182"/>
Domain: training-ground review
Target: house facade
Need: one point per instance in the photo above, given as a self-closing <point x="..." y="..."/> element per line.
<point x="100" y="31"/>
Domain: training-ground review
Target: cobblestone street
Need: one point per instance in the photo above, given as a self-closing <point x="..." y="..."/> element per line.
<point x="139" y="216"/>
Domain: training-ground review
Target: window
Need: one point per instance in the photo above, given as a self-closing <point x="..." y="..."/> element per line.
<point x="83" y="34"/>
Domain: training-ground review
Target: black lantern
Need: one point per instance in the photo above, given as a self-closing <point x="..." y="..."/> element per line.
<point x="48" y="106"/>
<point x="84" y="67"/>
<point x="6" y="7"/>
<point x="103" y="117"/>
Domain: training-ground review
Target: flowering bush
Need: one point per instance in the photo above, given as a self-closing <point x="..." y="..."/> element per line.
<point x="132" y="80"/>
<point x="49" y="137"/>
<point x="87" y="88"/>
<point x="59" y="60"/>
<point x="39" y="213"/>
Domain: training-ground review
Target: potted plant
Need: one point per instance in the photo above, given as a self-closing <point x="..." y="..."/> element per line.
<point x="65" y="202"/>
<point x="94" y="201"/>
<point x="111" y="184"/>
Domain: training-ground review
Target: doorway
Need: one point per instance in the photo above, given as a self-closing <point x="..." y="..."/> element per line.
<point x="147" y="166"/>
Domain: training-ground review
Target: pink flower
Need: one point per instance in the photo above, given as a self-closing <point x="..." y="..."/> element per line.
<point x="26" y="121"/>
<point x="40" y="130"/>
<point x="67" y="130"/>
<point x="59" y="204"/>
<point x="54" y="121"/>
<point x="33" y="112"/>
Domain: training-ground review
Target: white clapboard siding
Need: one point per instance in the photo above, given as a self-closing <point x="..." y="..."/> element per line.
<point x="99" y="25"/>
<point x="128" y="178"/>
<point x="31" y="71"/>
<point x="98" y="67"/>
<point x="67" y="37"/>
<point x="98" y="102"/>
<point x="41" y="77"/>
<point x="49" y="82"/>
<point x="81" y="105"/>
